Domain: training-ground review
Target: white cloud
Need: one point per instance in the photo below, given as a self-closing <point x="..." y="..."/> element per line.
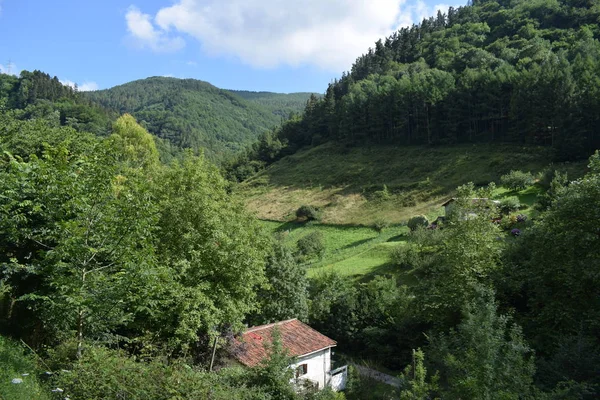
<point x="143" y="33"/>
<point x="192" y="63"/>
<point x="88" y="86"/>
<point x="84" y="87"/>
<point x="10" y="69"/>
<point x="67" y="82"/>
<point x="268" y="33"/>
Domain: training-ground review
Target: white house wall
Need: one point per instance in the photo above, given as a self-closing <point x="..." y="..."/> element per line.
<point x="319" y="364"/>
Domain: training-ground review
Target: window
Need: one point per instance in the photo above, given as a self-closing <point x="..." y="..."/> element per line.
<point x="302" y="369"/>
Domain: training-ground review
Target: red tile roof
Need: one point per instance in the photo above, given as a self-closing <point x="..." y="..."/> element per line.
<point x="299" y="339"/>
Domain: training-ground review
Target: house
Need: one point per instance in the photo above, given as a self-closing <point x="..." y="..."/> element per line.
<point x="450" y="204"/>
<point x="311" y="352"/>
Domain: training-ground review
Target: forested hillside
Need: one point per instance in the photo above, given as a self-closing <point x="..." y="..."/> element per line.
<point x="194" y="114"/>
<point x="498" y="71"/>
<point x="126" y="277"/>
<point x="282" y="104"/>
<point x="37" y="95"/>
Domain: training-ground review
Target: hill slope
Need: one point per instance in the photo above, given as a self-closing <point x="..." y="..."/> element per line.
<point x="192" y="113"/>
<point x="281" y="104"/>
<point x="361" y="185"/>
<point x="496" y="71"/>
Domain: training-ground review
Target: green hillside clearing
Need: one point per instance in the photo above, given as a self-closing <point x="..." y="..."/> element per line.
<point x="348" y="183"/>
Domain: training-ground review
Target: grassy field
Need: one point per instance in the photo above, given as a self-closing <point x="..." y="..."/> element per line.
<point x="357" y="187"/>
<point x="348" y="183"/>
<point x="356" y="251"/>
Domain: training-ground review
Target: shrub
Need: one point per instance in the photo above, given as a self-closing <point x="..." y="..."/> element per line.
<point x="509" y="204"/>
<point x="509" y="222"/>
<point x="383" y="194"/>
<point x="419" y="221"/>
<point x="109" y="374"/>
<point x="517" y="180"/>
<point x="311" y="246"/>
<point x="308" y="213"/>
<point x="380" y="225"/>
<point x="404" y="256"/>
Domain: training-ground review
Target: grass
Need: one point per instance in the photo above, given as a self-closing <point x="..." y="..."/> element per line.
<point x="356" y="187"/>
<point x="16" y="365"/>
<point x="347" y="183"/>
<point x="355" y="251"/>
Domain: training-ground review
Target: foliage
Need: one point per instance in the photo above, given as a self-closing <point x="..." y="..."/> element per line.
<point x="214" y="251"/>
<point x="509" y="205"/>
<point x="419" y="221"/>
<point x="414" y="377"/>
<point x="35" y="95"/>
<point x="467" y="255"/>
<point x="311" y="246"/>
<point x="18" y="373"/>
<point x="558" y="278"/>
<point x="100" y="242"/>
<point x="517" y="180"/>
<point x="308" y="213"/>
<point x="485" y="357"/>
<point x="273" y="375"/>
<point x="280" y="104"/>
<point x="108" y="374"/>
<point x="138" y="145"/>
<point x="557" y="185"/>
<point x="405" y="256"/>
<point x="194" y="114"/>
<point x="286" y="295"/>
<point x="380" y="225"/>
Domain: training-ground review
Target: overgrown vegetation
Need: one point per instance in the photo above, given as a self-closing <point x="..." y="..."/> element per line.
<point x="126" y="278"/>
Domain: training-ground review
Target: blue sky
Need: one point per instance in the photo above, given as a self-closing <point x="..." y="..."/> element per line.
<point x="271" y="45"/>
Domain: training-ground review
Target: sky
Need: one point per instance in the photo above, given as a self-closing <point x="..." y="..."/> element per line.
<point x="260" y="45"/>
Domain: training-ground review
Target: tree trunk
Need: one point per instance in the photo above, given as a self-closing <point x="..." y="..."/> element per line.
<point x="80" y="315"/>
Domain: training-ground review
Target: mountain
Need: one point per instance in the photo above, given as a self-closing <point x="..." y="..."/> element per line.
<point x="496" y="71"/>
<point x="282" y="104"/>
<point x="37" y="95"/>
<point x="194" y="114"/>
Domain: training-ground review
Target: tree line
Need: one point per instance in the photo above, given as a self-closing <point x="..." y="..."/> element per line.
<point x="494" y="71"/>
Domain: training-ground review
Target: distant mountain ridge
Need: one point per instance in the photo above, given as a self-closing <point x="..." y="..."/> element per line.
<point x="194" y="114"/>
<point x="282" y="104"/>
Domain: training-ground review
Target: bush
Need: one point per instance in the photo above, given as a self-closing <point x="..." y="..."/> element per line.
<point x="404" y="256"/>
<point x="311" y="246"/>
<point x="109" y="374"/>
<point x="419" y="221"/>
<point x="382" y="195"/>
<point x="517" y="180"/>
<point x="380" y="225"/>
<point x="509" y="205"/>
<point x="308" y="213"/>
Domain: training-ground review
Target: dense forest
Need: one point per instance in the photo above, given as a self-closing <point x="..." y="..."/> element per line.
<point x="280" y="104"/>
<point x="39" y="96"/>
<point x="180" y="113"/>
<point x="516" y="71"/>
<point x="194" y="114"/>
<point x="124" y="276"/>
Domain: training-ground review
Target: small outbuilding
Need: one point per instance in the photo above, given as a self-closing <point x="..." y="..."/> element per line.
<point x="450" y="204"/>
<point x="311" y="352"/>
